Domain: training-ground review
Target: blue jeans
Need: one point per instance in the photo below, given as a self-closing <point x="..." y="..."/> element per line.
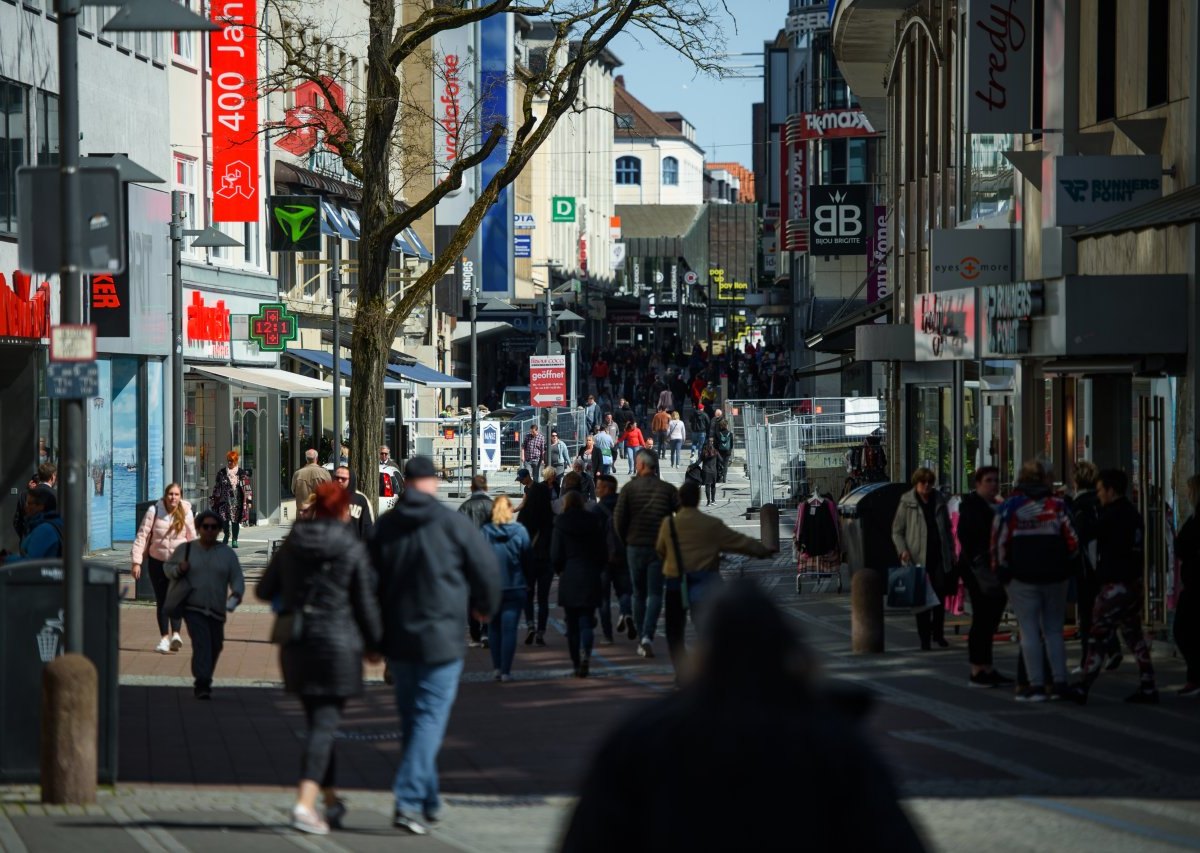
<point x="581" y="624"/>
<point x="1040" y="609"/>
<point x="630" y="453"/>
<point x="424" y="695"/>
<point x="502" y="638"/>
<point x="645" y="571"/>
<point x="676" y="447"/>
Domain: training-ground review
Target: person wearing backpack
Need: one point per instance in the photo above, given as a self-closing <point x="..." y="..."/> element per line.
<point x="698" y="424"/>
<point x="166" y="525"/>
<point x="45" y="526"/>
<point x="723" y="441"/>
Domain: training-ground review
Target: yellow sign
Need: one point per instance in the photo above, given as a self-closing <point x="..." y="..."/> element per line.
<point x="729" y="291"/>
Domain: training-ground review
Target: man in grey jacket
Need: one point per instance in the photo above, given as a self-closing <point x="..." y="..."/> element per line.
<point x="433" y="565"/>
<point x="214" y="575"/>
<point x="641" y="507"/>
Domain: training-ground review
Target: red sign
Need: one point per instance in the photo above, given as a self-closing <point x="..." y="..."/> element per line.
<point x="272" y="327"/>
<point x="548" y="380"/>
<point x="24" y="310"/>
<point x="207" y="323"/>
<point x="835" y="124"/>
<point x="308" y="120"/>
<point x="234" y="52"/>
<point x="793" y="201"/>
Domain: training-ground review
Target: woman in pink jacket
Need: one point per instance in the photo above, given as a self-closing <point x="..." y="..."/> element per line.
<point x="166" y="526"/>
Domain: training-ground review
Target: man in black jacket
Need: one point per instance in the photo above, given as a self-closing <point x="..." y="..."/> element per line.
<point x="537" y="514"/>
<point x="1119" y="544"/>
<point x="433" y="564"/>
<point x="615" y="578"/>
<point x="976" y="513"/>
<point x="478" y="508"/>
<point x="362" y="520"/>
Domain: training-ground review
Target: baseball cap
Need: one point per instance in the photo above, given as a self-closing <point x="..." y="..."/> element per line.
<point x="522" y="474"/>
<point x="419" y="467"/>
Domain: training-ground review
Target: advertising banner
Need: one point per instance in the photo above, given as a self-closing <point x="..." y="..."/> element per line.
<point x="835" y="124"/>
<point x="1088" y="190"/>
<point x="877" y="251"/>
<point x="548" y="380"/>
<point x="841" y="219"/>
<point x="207" y="335"/>
<point x="233" y="52"/>
<point x="963" y="257"/>
<point x="944" y="325"/>
<point x="999" y="55"/>
<point x="496" y="104"/>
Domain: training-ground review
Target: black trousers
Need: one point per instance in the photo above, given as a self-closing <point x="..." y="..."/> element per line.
<point x="986" y="613"/>
<point x="208" y="638"/>
<point x="581" y="624"/>
<point x="478" y="629"/>
<point x="723" y="465"/>
<point x="710" y="492"/>
<point x="160" y="582"/>
<point x="1187" y="632"/>
<point x="931" y="623"/>
<point x="676" y="625"/>
<point x="322" y="713"/>
<point x="539" y="588"/>
<point x="230" y="525"/>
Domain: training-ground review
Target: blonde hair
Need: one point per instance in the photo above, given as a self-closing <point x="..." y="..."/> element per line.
<point x="179" y="514"/>
<point x="548" y="474"/>
<point x="674" y="416"/>
<point x="502" y="511"/>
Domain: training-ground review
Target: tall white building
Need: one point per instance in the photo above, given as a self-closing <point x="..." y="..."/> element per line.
<point x="655" y="156"/>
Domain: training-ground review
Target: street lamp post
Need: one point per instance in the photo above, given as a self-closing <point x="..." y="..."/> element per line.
<point x="474" y="378"/>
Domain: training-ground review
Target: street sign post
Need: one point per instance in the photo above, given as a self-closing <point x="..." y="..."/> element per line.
<point x="73" y="342"/>
<point x="72" y="380"/>
<point x="547" y="380"/>
<point x="489" y="446"/>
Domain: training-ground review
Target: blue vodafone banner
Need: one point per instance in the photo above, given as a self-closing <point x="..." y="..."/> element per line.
<point x="496" y="98"/>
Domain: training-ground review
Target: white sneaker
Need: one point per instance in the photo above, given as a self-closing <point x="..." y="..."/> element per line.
<point x="306" y="820"/>
<point x="164" y="646"/>
<point x="176" y="642"/>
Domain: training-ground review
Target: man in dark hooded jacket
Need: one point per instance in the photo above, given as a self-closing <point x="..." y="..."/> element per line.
<point x="433" y="565"/>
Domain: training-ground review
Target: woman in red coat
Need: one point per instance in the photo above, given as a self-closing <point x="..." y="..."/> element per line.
<point x="633" y="441"/>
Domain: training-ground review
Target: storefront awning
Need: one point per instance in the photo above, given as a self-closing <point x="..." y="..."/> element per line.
<point x="838" y="336"/>
<point x="483" y="329"/>
<point x="269" y="379"/>
<point x="426" y="376"/>
<point x="324" y="361"/>
<point x="1178" y="208"/>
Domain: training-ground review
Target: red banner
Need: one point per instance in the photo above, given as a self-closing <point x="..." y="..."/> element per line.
<point x="234" y="89"/>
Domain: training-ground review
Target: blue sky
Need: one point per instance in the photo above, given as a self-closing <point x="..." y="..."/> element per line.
<point x="719" y="109"/>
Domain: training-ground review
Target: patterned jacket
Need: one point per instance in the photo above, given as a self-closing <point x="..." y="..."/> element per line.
<point x="231" y="504"/>
<point x="1032" y="537"/>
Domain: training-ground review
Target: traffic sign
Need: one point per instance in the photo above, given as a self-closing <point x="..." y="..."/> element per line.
<point x="75" y="380"/>
<point x="489" y="446"/>
<point x="73" y="342"/>
<point x="548" y="380"/>
<point x="563" y="209"/>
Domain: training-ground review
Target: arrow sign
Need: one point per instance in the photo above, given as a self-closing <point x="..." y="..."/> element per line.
<point x="549" y="399"/>
<point x="548" y="380"/>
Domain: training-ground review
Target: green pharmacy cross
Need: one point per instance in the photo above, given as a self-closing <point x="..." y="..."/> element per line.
<point x="272" y="327"/>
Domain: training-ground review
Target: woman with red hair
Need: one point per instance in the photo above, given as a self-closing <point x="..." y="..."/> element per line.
<point x="323" y="589"/>
<point x="232" y="497"/>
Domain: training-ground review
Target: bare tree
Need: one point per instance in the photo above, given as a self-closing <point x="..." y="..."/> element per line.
<point x="367" y="133"/>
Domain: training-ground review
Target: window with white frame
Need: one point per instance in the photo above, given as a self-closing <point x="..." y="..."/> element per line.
<point x="670" y="172"/>
<point x="184" y="180"/>
<point x="183" y="44"/>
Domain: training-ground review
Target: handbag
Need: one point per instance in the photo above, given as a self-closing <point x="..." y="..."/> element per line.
<point x="908" y="586"/>
<point x="683" y="585"/>
<point x="180" y="588"/>
<point x="288" y="627"/>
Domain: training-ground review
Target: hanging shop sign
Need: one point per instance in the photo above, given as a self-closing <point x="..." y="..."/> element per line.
<point x="962" y="257"/>
<point x="1091" y="189"/>
<point x="1000" y="46"/>
<point x="233" y="52"/>
<point x="877" y="252"/>
<point x="835" y="124"/>
<point x="295" y="223"/>
<point x="1007" y="312"/>
<point x="454" y="97"/>
<point x="273" y="327"/>
<point x="562" y="209"/>
<point x="524" y="222"/>
<point x="793" y="190"/>
<point x="841" y="219"/>
<point x="944" y="325"/>
<point x="522" y="246"/>
<point x="309" y="120"/>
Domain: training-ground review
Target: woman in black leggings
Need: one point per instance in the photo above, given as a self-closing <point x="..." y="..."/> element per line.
<point x="166" y="526"/>
<point x="322" y="571"/>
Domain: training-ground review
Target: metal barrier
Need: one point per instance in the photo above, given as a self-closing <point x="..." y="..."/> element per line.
<point x="570" y="425"/>
<point x="790" y="455"/>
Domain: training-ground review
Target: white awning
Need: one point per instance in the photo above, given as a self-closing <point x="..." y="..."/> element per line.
<point x="270" y="379"/>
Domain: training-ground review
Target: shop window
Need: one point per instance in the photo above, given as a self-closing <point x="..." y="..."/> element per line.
<point x="47" y="126"/>
<point x="629" y="171"/>
<point x="670" y="171"/>
<point x="1158" y="52"/>
<point x="199" y="438"/>
<point x="988" y="184"/>
<point x="1106" y="59"/>
<point x="14" y="135"/>
<point x="856" y="161"/>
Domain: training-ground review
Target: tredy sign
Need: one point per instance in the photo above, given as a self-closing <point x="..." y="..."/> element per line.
<point x="999" y="56"/>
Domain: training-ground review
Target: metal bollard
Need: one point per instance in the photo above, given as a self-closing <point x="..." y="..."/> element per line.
<point x="866" y="612"/>
<point x="768" y="523"/>
<point x="70" y="728"/>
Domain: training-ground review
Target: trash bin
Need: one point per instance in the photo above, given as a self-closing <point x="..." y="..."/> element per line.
<point x="143" y="590"/>
<point x="866" y="521"/>
<point x="32" y="635"/>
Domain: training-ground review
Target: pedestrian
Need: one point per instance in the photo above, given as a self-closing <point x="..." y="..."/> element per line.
<point x="385" y="458"/>
<point x="306" y="479"/>
<point x="45" y="475"/>
<point x="322" y="576"/>
<point x="43" y="524"/>
<point x="604" y="452"/>
<point x="537" y="514"/>
<point x="557" y="455"/>
<point x="676" y="435"/>
<point x="723" y="441"/>
<point x="753" y="706"/>
<point x="976" y="514"/>
<point x="624" y="415"/>
<point x="615" y="578"/>
<point x="921" y="534"/>
<point x="478" y="508"/>
<point x="587" y="483"/>
<point x="361" y="519"/>
<point x="232" y="497"/>
<point x="633" y="441"/>
<point x="510" y="542"/>
<point x="1034" y="549"/>
<point x="591" y="414"/>
<point x="533" y="449"/>
<point x="641" y="507"/>
<point x="666" y="401"/>
<point x="1187" y="604"/>
<point x="206" y="584"/>
<point x="432" y="566"/>
<point x="699" y="428"/>
<point x="577" y="552"/>
<point x="526" y="480"/>
<point x="690" y="545"/>
<point x="610" y="427"/>
<point x="587" y="455"/>
<point x="165" y="526"/>
<point x="659" y="425"/>
<point x="1119" y="571"/>
<point x="710" y="468"/>
<point x="1085" y="516"/>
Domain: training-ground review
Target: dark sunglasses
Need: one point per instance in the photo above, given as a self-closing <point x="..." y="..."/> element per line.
<point x="342" y="479"/>
<point x="210" y="527"/>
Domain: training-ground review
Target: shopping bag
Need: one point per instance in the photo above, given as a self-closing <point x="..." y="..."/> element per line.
<point x="907" y="586"/>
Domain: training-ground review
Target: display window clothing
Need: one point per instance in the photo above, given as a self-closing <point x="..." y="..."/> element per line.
<point x="816" y="537"/>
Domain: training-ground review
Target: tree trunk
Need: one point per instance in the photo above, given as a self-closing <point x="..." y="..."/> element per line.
<point x="372" y="342"/>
